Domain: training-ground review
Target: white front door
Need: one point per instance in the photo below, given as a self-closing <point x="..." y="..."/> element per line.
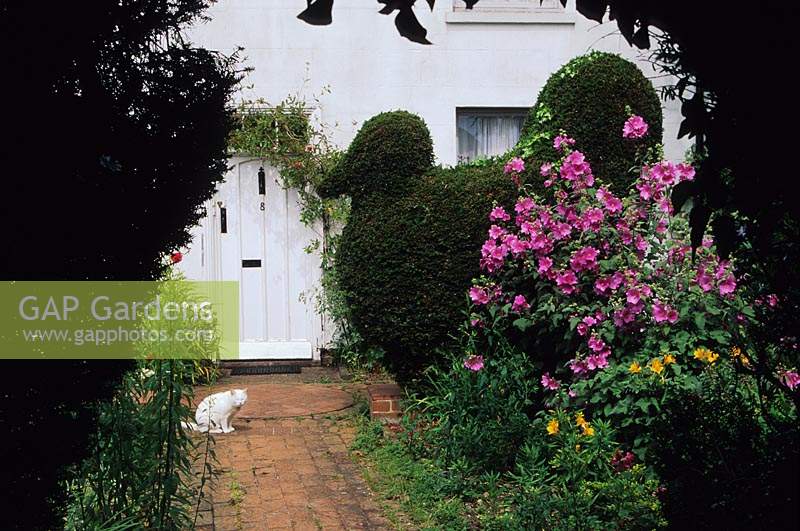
<point x="257" y="238"/>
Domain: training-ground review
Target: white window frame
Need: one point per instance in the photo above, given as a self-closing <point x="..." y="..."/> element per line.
<point x="512" y="12"/>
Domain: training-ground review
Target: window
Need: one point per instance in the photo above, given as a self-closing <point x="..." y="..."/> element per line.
<point x="512" y="5"/>
<point x="486" y="132"/>
<point x="512" y="12"/>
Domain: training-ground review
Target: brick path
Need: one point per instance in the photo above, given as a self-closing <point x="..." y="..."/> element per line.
<point x="289" y="473"/>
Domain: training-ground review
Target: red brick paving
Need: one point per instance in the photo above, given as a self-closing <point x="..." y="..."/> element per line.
<point x="289" y="473"/>
<point x="277" y="400"/>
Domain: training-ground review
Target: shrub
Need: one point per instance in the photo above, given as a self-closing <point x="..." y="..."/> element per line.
<point x="571" y="475"/>
<point x="729" y="458"/>
<point x="410" y="247"/>
<point x="389" y="153"/>
<point x="477" y="418"/>
<point x="590" y="97"/>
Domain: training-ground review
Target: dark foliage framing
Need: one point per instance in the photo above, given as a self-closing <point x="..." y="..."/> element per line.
<point x="114" y="133"/>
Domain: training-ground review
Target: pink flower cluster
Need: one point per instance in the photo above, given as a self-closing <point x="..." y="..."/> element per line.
<point x="550" y="383"/>
<point x="484" y="295"/>
<point x="474" y="363"/>
<point x="622" y="461"/>
<point x="712" y="274"/>
<point x="635" y="127"/>
<point x="789" y="378"/>
<point x="591" y="242"/>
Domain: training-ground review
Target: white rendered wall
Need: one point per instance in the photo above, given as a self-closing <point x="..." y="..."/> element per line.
<point x="369" y="68"/>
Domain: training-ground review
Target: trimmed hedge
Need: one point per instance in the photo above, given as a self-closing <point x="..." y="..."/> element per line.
<point x="410" y="248"/>
<point x="589" y="98"/>
<point x="405" y="262"/>
<point x="388" y="154"/>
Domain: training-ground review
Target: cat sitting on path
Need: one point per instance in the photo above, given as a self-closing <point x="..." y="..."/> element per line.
<point x="215" y="412"/>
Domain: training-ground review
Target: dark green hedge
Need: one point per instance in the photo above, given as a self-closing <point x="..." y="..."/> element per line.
<point x="412" y="243"/>
<point x="406" y="261"/>
<point x="587" y="98"/>
<point x="389" y="153"/>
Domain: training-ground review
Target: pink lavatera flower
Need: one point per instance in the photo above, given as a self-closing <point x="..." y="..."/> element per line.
<point x="704" y="280"/>
<point x="550" y="383"/>
<point x="520" y="304"/>
<point x="634" y="127"/>
<point x="789" y="378"/>
<point x="685" y="171"/>
<point x="584" y="259"/>
<point x="546" y="169"/>
<point x="478" y="295"/>
<point x="561" y="231"/>
<point x="524" y="205"/>
<point x="545" y="263"/>
<point x="664" y="313"/>
<point x="566" y="281"/>
<point x="474" y="363"/>
<point x="562" y="140"/>
<point x="664" y="173"/>
<point x="646" y="191"/>
<point x="578" y="367"/>
<point x="728" y="285"/>
<point x="598" y="361"/>
<point x="517" y="246"/>
<point x="515" y="165"/>
<point x="496" y="232"/>
<point x="596" y="344"/>
<point x="499" y="213"/>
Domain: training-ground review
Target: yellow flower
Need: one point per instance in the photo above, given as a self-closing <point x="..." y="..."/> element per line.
<point x="703" y="354"/>
<point x="737" y="354"/>
<point x="579" y="420"/>
<point x="577" y="447"/>
<point x="635" y="368"/>
<point x="587" y="430"/>
<point x="669" y="358"/>
<point x="552" y="427"/>
<point x="656" y="366"/>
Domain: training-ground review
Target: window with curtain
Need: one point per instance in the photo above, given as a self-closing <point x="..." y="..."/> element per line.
<point x="486" y="132"/>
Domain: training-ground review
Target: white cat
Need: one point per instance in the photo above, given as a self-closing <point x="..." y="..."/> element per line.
<point x="215" y="412"/>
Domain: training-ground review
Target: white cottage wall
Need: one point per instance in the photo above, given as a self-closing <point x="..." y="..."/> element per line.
<point x="498" y="55"/>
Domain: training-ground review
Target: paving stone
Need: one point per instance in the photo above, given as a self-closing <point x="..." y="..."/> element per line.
<point x="292" y="473"/>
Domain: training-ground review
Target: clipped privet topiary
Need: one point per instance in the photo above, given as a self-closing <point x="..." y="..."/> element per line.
<point x="590" y="98"/>
<point x="389" y="153"/>
<point x="412" y="241"/>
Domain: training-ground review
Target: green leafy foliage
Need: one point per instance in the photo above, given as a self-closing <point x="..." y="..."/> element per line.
<point x="141" y="470"/>
<point x="478" y="419"/>
<point x="565" y="480"/>
<point x="590" y="98"/>
<point x="145" y="470"/>
<point x="418" y="486"/>
<point x="728" y="453"/>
